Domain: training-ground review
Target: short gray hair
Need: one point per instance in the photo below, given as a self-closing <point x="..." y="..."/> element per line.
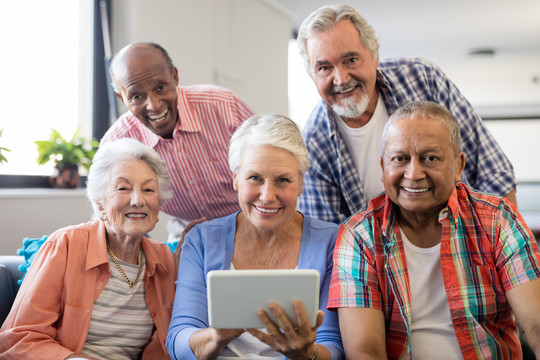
<point x="426" y="110"/>
<point x="110" y="154"/>
<point x="268" y="129"/>
<point x="329" y="16"/>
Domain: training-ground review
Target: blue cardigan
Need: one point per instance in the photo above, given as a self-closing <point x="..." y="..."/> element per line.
<point x="209" y="246"/>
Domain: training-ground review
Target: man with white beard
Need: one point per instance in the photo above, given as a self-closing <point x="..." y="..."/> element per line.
<point x="359" y="93"/>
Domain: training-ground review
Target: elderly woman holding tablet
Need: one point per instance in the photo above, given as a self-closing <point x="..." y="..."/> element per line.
<point x="268" y="158"/>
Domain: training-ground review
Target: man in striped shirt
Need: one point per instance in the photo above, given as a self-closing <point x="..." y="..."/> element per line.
<point x="189" y="126"/>
<point x="432" y="269"/>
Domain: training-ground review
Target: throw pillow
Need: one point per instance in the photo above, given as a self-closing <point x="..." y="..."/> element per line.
<point x="29" y="250"/>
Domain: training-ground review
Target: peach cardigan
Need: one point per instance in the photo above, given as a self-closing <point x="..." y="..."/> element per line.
<point x="51" y="314"/>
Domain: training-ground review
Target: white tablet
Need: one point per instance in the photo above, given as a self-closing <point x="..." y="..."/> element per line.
<point x="234" y="296"/>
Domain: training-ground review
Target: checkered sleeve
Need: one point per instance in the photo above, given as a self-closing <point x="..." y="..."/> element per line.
<point x="518" y="260"/>
<point x="321" y="195"/>
<point x="354" y="277"/>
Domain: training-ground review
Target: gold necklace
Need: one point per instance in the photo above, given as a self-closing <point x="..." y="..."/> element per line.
<point x="130" y="283"/>
<point x="251" y="248"/>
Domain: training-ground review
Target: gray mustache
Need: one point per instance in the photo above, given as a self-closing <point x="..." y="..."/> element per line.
<point x="347" y="87"/>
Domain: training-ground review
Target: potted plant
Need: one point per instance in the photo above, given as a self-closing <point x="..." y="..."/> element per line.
<point x="67" y="156"/>
<point x="2" y="157"/>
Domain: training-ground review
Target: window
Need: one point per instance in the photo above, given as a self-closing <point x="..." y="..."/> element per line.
<point x="519" y="140"/>
<point x="46" y="77"/>
<point x="303" y="95"/>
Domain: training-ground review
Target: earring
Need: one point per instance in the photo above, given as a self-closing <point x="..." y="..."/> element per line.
<point x="157" y="220"/>
<point x="103" y="216"/>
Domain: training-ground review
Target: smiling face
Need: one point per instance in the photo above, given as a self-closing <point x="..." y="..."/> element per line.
<point x="420" y="167"/>
<point x="343" y="70"/>
<point x="131" y="200"/>
<point x="148" y="88"/>
<point x="268" y="185"/>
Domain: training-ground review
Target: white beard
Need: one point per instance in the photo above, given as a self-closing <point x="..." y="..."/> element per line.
<point x="352" y="108"/>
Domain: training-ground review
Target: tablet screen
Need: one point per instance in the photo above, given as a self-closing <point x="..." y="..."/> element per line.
<point x="234" y="296"/>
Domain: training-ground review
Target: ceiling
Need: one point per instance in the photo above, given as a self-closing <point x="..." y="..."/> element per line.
<point x="432" y="28"/>
<point x="446" y="33"/>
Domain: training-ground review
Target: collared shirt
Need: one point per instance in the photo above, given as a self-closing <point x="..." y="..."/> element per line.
<point x="197" y="155"/>
<point x="332" y="190"/>
<point x="51" y="314"/>
<point x="486" y="250"/>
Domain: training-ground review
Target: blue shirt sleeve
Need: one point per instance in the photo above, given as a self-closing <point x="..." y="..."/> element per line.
<point x="189" y="310"/>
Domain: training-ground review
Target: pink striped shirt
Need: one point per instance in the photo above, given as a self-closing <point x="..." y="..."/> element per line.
<point x="197" y="155"/>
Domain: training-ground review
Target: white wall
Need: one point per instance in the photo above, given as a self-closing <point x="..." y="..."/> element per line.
<point x="500" y="85"/>
<point x="239" y="44"/>
<point x="36" y="212"/>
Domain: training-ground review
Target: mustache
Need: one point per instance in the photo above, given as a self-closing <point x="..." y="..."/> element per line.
<point x="348" y="87"/>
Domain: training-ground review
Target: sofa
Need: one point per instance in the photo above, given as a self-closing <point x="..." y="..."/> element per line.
<point x="9" y="276"/>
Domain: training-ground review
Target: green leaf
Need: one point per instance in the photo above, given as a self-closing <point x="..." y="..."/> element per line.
<point x="3" y="159"/>
<point x="77" y="150"/>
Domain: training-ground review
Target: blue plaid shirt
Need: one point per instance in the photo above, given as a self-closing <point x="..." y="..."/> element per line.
<point x="332" y="190"/>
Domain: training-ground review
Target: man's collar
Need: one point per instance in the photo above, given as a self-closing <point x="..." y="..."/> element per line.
<point x="188" y="120"/>
<point x="389" y="216"/>
<point x="383" y="85"/>
<point x="451" y="211"/>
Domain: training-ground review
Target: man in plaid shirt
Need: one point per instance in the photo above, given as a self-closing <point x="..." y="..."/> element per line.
<point x="343" y="133"/>
<point x="432" y="269"/>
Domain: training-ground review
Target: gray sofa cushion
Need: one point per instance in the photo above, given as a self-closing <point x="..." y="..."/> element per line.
<point x="9" y="274"/>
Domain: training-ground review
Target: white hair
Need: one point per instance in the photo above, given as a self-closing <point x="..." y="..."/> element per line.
<point x="326" y="18"/>
<point x="268" y="129"/>
<point x="110" y="154"/>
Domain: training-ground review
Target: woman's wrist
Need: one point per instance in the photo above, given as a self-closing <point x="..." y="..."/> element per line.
<point x="315" y="353"/>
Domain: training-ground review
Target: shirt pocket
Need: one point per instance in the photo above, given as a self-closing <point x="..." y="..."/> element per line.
<point x="71" y="325"/>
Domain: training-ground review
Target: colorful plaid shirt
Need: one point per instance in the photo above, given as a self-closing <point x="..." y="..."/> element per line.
<point x="197" y="155"/>
<point x="486" y="250"/>
<point x="332" y="190"/>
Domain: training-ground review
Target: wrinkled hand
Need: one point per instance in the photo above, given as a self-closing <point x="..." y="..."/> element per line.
<point x="295" y="343"/>
<point x="209" y="343"/>
<point x="225" y="336"/>
<point x="178" y="250"/>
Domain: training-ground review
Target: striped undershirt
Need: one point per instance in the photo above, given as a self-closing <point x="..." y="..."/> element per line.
<point x="121" y="324"/>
